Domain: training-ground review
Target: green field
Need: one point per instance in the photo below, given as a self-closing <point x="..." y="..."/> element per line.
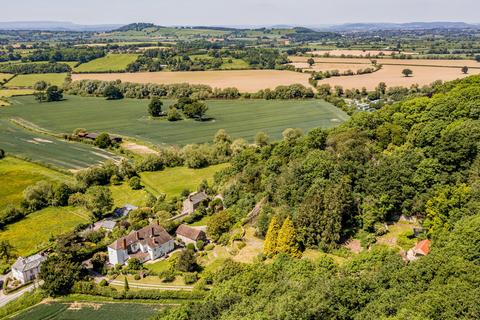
<point x="235" y="64"/>
<point x="123" y="195"/>
<point x="172" y="181"/>
<point x="16" y="175"/>
<point x="5" y="76"/>
<point x="111" y="62"/>
<point x="128" y="117"/>
<point x="15" y="92"/>
<point x="29" y="80"/>
<point x="48" y="150"/>
<point x="89" y="310"/>
<point x="33" y="233"/>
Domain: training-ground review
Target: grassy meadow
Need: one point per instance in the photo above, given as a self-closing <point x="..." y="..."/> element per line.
<point x="172" y="181"/>
<point x="16" y="175"/>
<point x="48" y="150"/>
<point x="111" y="62"/>
<point x="15" y="92"/>
<point x="29" y="80"/>
<point x="5" y="76"/>
<point x="128" y="117"/>
<point x="54" y="310"/>
<point x="33" y="233"/>
<point x="123" y="194"/>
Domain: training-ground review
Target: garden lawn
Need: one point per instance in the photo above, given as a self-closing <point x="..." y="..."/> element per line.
<point x="16" y="175"/>
<point x="111" y="62"/>
<point x="160" y="266"/>
<point x="129" y="117"/>
<point x="172" y="181"/>
<point x="33" y="233"/>
<point x="29" y="80"/>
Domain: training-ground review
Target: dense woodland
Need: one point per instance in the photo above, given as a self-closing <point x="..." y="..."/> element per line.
<point x="417" y="158"/>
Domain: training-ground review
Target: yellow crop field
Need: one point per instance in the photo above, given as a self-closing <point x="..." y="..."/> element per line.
<point x="243" y="80"/>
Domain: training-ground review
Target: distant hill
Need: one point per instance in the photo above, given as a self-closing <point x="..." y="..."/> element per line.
<point x="55" y="26"/>
<point x="136" y="27"/>
<point x="399" y="26"/>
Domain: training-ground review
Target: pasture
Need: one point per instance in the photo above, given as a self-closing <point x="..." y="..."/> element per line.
<point x="5" y="76"/>
<point x="243" y="80"/>
<point x="123" y="194"/>
<point x="111" y="62"/>
<point x="29" y="80"/>
<point x="15" y="92"/>
<point x="55" y="310"/>
<point x="172" y="181"/>
<point x="128" y="117"/>
<point x="34" y="232"/>
<point x="45" y="149"/>
<point x="16" y="175"/>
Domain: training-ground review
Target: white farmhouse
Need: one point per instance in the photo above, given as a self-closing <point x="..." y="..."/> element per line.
<point x="149" y="243"/>
<point x="27" y="269"/>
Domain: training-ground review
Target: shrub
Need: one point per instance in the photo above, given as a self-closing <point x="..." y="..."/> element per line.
<point x="103" y="141"/>
<point x="135" y="183"/>
<point x="190" y="278"/>
<point x="168" y="276"/>
<point x="191" y="246"/>
<point x="209" y="247"/>
<point x="136" y="277"/>
<point x="103" y="283"/>
<point x="200" y="244"/>
<point x="241" y="245"/>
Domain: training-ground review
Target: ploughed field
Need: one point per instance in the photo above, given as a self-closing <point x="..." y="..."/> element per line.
<point x="243" y="80"/>
<point x="128" y="117"/>
<point x="425" y="71"/>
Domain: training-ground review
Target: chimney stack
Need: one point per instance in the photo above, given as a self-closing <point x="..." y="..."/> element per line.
<point x="153" y="231"/>
<point x="124" y="242"/>
<point x="137" y="235"/>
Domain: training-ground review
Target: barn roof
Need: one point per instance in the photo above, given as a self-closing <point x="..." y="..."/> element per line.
<point x="189" y="232"/>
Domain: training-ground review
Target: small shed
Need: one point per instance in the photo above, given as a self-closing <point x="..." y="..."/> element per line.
<point x="124" y="211"/>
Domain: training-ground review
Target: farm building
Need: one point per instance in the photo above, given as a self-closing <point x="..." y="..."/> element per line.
<point x="149" y="243"/>
<point x="124" y="211"/>
<point x="193" y="201"/>
<point x="105" y="224"/>
<point x="189" y="234"/>
<point x="27" y="269"/>
<point x="421" y="249"/>
<point x="94" y="135"/>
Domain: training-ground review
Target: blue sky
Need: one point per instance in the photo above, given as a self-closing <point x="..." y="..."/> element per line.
<point x="240" y="12"/>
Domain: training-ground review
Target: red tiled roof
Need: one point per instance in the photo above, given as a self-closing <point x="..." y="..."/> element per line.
<point x="423" y="247"/>
<point x="153" y="235"/>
